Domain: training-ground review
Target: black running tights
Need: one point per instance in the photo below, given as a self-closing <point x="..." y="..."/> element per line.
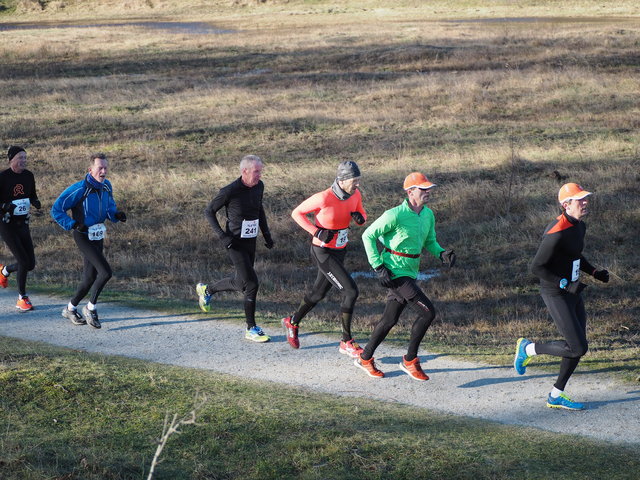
<point x="331" y="273"/>
<point x="406" y="293"/>
<point x="96" y="271"/>
<point x="568" y="313"/>
<point x="245" y="279"/>
<point x="18" y="239"/>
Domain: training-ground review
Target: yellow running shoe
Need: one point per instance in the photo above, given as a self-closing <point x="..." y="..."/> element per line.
<point x="204" y="300"/>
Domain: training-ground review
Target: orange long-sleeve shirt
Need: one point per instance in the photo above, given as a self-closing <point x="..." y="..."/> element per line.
<point x="330" y="213"/>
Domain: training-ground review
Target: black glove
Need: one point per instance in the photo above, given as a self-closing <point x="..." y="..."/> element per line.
<point x="81" y="227"/>
<point x="575" y="287"/>
<point x="7" y="208"/>
<point x="268" y="242"/>
<point x="121" y="216"/>
<point x="602" y="275"/>
<point x="324" y="235"/>
<point x="384" y="276"/>
<point x="448" y="257"/>
<point x="36" y="203"/>
<point x="357" y="217"/>
<point x="227" y="241"/>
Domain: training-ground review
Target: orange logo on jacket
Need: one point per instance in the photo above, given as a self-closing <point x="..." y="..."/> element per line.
<point x="18" y="190"/>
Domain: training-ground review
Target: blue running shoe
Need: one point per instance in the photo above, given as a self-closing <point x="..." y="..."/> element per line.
<point x="563" y="402"/>
<point x="255" y="334"/>
<point x="522" y="359"/>
<point x="204" y="300"/>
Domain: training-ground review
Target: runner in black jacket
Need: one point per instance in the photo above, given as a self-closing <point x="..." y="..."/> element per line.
<point x="17" y="195"/>
<point x="242" y="201"/>
<point x="558" y="264"/>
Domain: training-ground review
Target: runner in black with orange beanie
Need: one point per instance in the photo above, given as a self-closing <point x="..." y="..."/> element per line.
<point x="558" y="263"/>
<point x="17" y="195"/>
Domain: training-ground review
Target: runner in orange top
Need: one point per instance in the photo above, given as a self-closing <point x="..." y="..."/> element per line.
<point x="333" y="209"/>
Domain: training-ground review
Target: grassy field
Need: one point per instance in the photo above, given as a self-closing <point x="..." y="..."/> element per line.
<point x="71" y="415"/>
<point x="498" y="113"/>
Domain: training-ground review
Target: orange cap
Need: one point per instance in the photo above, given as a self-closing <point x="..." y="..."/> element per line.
<point x="417" y="180"/>
<point x="571" y="191"/>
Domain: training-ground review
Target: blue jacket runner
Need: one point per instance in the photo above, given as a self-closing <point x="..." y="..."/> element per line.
<point x="90" y="202"/>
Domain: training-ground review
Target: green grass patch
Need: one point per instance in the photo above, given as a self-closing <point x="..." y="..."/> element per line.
<point x="69" y="414"/>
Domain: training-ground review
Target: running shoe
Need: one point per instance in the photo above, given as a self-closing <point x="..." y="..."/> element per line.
<point x="24" y="304"/>
<point x="521" y="359"/>
<point x="91" y="316"/>
<point x="292" y="332"/>
<point x="204" y="300"/>
<point x="255" y="334"/>
<point x="369" y="366"/>
<point x="563" y="401"/>
<point x="413" y="369"/>
<point x="350" y="348"/>
<point x="4" y="280"/>
<point x="74" y="316"/>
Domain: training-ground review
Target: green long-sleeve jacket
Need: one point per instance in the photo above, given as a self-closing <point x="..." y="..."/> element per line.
<point x="401" y="230"/>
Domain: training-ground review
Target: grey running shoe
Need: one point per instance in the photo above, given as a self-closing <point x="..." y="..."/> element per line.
<point x="91" y="316"/>
<point x="74" y="316"/>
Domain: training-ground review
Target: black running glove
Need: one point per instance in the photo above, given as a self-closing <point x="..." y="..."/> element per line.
<point x="7" y="208"/>
<point x="602" y="275"/>
<point x="37" y="204"/>
<point x="384" y="276"/>
<point x="448" y="257"/>
<point x="357" y="217"/>
<point x="324" y="235"/>
<point x="121" y="216"/>
<point x="268" y="241"/>
<point x="227" y="241"/>
<point x="575" y="287"/>
<point x="81" y="227"/>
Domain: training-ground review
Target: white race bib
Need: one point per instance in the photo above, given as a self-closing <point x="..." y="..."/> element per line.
<point x="249" y="228"/>
<point x="575" y="271"/>
<point x="342" y="237"/>
<point x="23" y="205"/>
<point x="97" y="231"/>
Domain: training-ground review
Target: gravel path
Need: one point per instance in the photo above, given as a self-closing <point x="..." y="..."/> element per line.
<point x="456" y="387"/>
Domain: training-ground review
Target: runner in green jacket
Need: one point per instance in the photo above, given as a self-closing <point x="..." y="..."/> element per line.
<point x="404" y="231"/>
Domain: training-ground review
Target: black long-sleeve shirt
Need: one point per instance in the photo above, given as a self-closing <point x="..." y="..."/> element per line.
<point x="241" y="203"/>
<point x="15" y="186"/>
<point x="560" y="252"/>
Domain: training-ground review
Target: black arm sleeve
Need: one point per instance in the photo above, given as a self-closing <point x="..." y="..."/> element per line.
<point x="542" y="259"/>
<point x="219" y="201"/>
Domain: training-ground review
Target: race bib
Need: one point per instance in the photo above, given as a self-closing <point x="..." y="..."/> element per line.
<point x="342" y="237"/>
<point x="249" y="228"/>
<point x="575" y="271"/>
<point x="97" y="231"/>
<point x="23" y="205"/>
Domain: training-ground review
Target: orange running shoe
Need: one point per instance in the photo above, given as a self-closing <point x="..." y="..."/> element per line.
<point x="24" y="304"/>
<point x="351" y="348"/>
<point x="292" y="332"/>
<point x="369" y="366"/>
<point x="413" y="369"/>
<point x="4" y="280"/>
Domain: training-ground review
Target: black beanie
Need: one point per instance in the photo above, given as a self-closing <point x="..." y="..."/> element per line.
<point x="13" y="151"/>
<point x="347" y="170"/>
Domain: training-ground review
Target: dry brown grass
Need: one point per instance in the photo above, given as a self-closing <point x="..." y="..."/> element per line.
<point x="488" y="110"/>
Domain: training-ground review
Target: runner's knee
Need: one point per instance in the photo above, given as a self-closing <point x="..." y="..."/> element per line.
<point x="351" y="294"/>
<point x="578" y="350"/>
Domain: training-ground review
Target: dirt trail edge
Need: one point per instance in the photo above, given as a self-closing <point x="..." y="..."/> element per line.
<point x="456" y="387"/>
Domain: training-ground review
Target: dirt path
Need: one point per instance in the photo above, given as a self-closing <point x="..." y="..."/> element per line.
<point x="456" y="387"/>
